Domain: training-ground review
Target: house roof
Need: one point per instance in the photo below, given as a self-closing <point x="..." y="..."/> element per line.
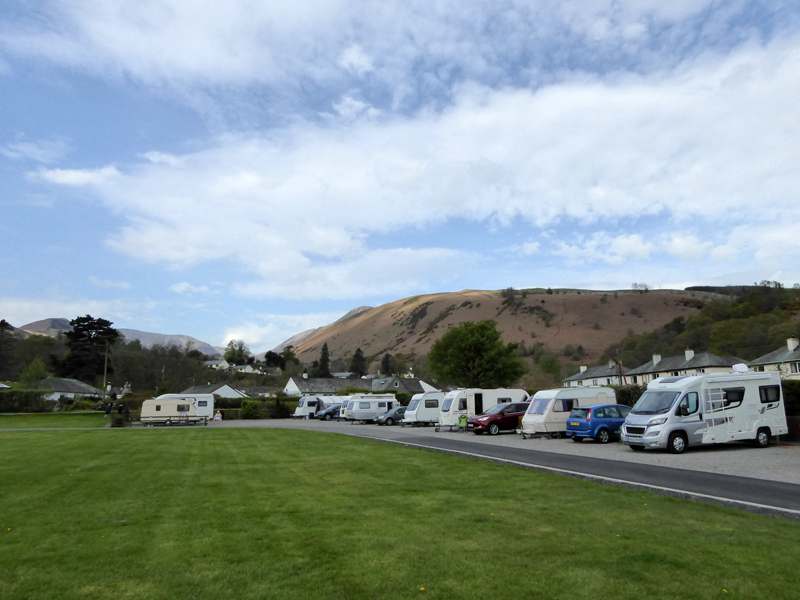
<point x="209" y="389"/>
<point x="320" y="385"/>
<point x="410" y="386"/>
<point x="781" y="355"/>
<point x="67" y="386"/>
<point x="596" y="372"/>
<point x="701" y="360"/>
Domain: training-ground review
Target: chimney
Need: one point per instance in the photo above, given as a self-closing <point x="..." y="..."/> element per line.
<point x="305" y="375"/>
<point x="583" y="368"/>
<point x="656" y="359"/>
<point x="792" y="344"/>
<point x="689" y="354"/>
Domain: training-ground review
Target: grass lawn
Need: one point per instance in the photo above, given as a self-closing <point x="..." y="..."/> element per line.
<point x="54" y="419"/>
<point x="266" y="513"/>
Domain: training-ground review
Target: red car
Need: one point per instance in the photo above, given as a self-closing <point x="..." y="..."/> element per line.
<point x="500" y="417"/>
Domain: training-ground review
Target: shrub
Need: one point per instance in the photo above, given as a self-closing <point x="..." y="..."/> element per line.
<point x="791" y="396"/>
<point x="251" y="409"/>
<point x="628" y="394"/>
<point x="25" y="401"/>
<point x="81" y="404"/>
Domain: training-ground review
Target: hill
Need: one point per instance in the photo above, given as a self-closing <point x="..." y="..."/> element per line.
<point x="52" y="327"/>
<point x="555" y="318"/>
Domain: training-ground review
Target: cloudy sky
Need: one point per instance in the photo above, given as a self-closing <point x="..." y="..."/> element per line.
<point x="252" y="168"/>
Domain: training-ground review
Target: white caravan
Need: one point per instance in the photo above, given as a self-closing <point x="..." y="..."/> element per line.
<point x="203" y="403"/>
<point x="689" y="410"/>
<point x="364" y="407"/>
<point x="308" y="406"/>
<point x="170" y="411"/>
<point x="473" y="401"/>
<point x="549" y="409"/>
<point x="423" y="409"/>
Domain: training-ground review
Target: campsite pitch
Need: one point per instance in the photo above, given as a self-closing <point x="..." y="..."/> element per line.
<point x="268" y="513"/>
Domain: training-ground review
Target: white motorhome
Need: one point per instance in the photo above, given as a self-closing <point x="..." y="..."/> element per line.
<point x="549" y="409"/>
<point x="363" y="408"/>
<point x="690" y="410"/>
<point x="203" y="403"/>
<point x="423" y="409"/>
<point x="170" y="411"/>
<point x="473" y="401"/>
<point x="309" y="406"/>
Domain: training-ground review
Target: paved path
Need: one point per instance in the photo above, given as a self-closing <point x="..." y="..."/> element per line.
<point x="759" y="480"/>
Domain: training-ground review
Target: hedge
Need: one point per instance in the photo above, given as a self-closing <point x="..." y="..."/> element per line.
<point x="25" y="401"/>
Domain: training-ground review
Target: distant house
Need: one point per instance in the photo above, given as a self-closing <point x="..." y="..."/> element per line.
<point x="786" y="360"/>
<point x="600" y="375"/>
<point x="319" y="386"/>
<point x="688" y="364"/>
<point x="68" y="388"/>
<point x="402" y="385"/>
<point x="219" y="364"/>
<point x="221" y="390"/>
<point x="3" y="386"/>
<point x="259" y="391"/>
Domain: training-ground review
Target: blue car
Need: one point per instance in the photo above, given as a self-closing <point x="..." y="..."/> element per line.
<point x="601" y="423"/>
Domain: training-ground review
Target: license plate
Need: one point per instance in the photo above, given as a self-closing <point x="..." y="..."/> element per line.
<point x="574" y="423"/>
<point x="471" y="426"/>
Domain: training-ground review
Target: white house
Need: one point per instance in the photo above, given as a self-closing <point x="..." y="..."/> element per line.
<point x="688" y="364"/>
<point x="600" y="375"/>
<point x="68" y="388"/>
<point x="220" y="390"/>
<point x="786" y="360"/>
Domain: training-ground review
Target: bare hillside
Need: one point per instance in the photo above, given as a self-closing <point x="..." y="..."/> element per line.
<point x="591" y="319"/>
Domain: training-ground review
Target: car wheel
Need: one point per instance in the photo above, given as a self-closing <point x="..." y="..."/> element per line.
<point x="575" y="438"/>
<point x="328" y="417"/>
<point x="762" y="438"/>
<point x="636" y="448"/>
<point x="676" y="443"/>
<point x="602" y="437"/>
<point x="494" y="428"/>
<point x="389" y="421"/>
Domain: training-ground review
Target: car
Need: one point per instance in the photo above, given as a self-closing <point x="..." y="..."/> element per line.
<point x="329" y="413"/>
<point x="391" y="417"/>
<point x="601" y="423"/>
<point x="500" y="417"/>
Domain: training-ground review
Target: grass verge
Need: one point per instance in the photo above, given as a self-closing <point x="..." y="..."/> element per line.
<point x="267" y="513"/>
<point x="54" y="419"/>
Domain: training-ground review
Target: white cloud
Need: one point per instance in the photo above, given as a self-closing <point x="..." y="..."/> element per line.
<point x="107" y="283"/>
<point x="20" y="311"/>
<point x="529" y="248"/>
<point x="77" y="177"/>
<point x="162" y="158"/>
<point x="355" y="60"/>
<point x="44" y="151"/>
<point x="603" y="247"/>
<point x="188" y="288"/>
<point x="687" y="247"/>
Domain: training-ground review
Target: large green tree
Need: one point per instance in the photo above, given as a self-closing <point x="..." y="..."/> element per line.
<point x="473" y="355"/>
<point x="324" y="368"/>
<point x="237" y="352"/>
<point x="358" y="364"/>
<point x="87" y="345"/>
<point x="8" y="340"/>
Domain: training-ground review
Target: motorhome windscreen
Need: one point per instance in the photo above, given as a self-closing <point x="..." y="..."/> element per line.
<point x="654" y="403"/>
<point x="446" y="405"/>
<point x="413" y="405"/>
<point x="538" y="406"/>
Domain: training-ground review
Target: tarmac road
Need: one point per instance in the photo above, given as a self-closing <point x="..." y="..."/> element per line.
<point x="765" y="481"/>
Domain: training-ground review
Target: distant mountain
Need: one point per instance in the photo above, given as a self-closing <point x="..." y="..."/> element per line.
<point x="52" y="327"/>
<point x="301" y="337"/>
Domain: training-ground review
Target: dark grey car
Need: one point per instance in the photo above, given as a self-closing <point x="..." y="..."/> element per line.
<point x="391" y="417"/>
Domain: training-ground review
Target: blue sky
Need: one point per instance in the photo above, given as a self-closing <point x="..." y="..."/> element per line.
<point x="252" y="169"/>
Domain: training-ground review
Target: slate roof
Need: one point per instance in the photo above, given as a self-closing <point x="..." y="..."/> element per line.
<point x="319" y="385"/>
<point x="781" y="355"/>
<point x="409" y="386"/>
<point x="68" y="386"/>
<point x="701" y="360"/>
<point x="209" y="389"/>
<point x="598" y="372"/>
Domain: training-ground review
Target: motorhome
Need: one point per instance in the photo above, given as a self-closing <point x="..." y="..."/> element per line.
<point x="690" y="410"/>
<point x="549" y="409"/>
<point x="423" y="409"/>
<point x="203" y="403"/>
<point x="473" y="401"/>
<point x="363" y="408"/>
<point x="309" y="406"/>
<point x="170" y="411"/>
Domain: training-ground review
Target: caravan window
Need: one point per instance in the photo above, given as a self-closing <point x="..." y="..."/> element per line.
<point x="462" y="404"/>
<point x="381" y="404"/>
<point x="769" y="393"/>
<point x="733" y="397"/>
<point x="446" y="405"/>
<point x="202" y="403"/>
<point x="413" y="405"/>
<point x="312" y="402"/>
<point x="183" y="408"/>
<point x="158" y="407"/>
<point x="538" y="406"/>
<point x="363" y="405"/>
<point x="432" y="403"/>
<point x="563" y="405"/>
<point x="301" y="402"/>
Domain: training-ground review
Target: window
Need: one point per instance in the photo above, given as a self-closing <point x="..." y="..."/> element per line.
<point x="758" y="368"/>
<point x="396" y="384"/>
<point x="414" y="403"/>
<point x="202" y="403"/>
<point x="446" y="405"/>
<point x="312" y="402"/>
<point x="563" y="405"/>
<point x="363" y="405"/>
<point x="183" y="408"/>
<point x="733" y="397"/>
<point x="600" y="413"/>
<point x="769" y="393"/>
<point x="635" y="379"/>
<point x="594" y="381"/>
<point x="538" y="406"/>
<point x="432" y="403"/>
<point x="624" y="410"/>
<point x="381" y="404"/>
<point x="793" y="367"/>
<point x="689" y="402"/>
<point x="462" y="404"/>
<point x="158" y="407"/>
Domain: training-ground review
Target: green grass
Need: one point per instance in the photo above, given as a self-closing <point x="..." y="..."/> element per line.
<point x="54" y="419"/>
<point x="266" y="513"/>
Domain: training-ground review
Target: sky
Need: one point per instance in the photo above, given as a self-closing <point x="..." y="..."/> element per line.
<point x="252" y="169"/>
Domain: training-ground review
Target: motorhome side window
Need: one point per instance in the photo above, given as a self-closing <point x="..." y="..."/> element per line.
<point x="462" y="404"/>
<point x="202" y="403"/>
<point x="363" y="405"/>
<point x="689" y="402"/>
<point x="381" y="404"/>
<point x="733" y="397"/>
<point x="183" y="408"/>
<point x="432" y="403"/>
<point x="769" y="393"/>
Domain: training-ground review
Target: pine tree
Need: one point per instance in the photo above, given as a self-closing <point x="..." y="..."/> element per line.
<point x="358" y="364"/>
<point x="324" y="363"/>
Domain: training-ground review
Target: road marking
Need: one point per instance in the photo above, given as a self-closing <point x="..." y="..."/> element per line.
<point x="590" y="476"/>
